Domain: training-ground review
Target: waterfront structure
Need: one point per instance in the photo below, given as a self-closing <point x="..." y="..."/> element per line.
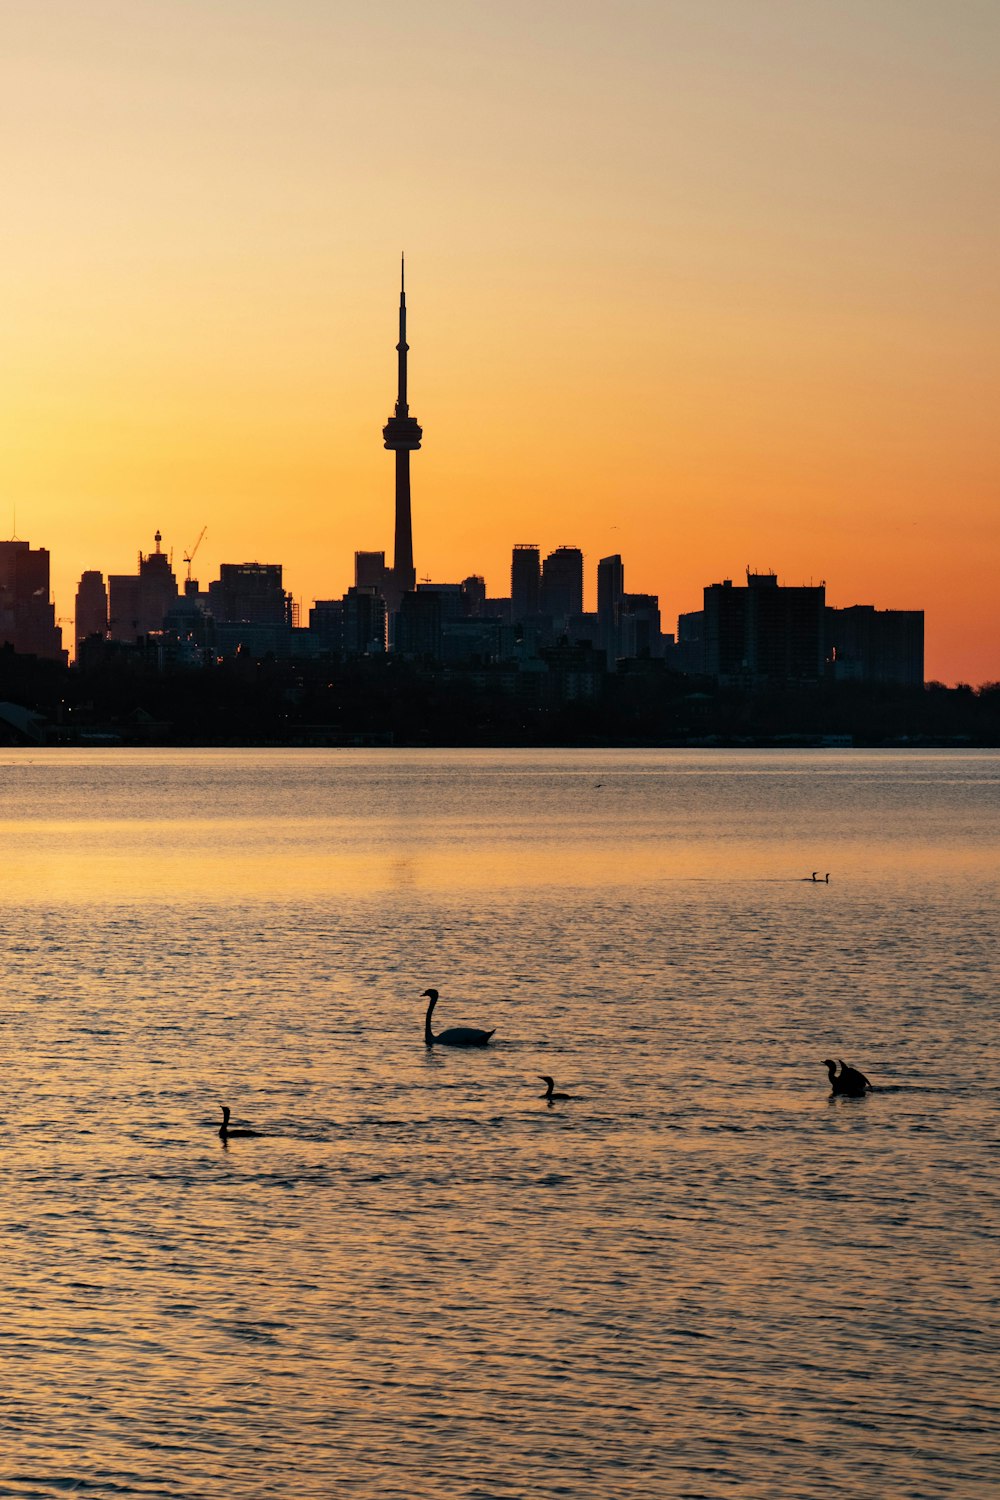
<point x="91" y="607"/>
<point x="27" y="615"/>
<point x="402" y="435"/>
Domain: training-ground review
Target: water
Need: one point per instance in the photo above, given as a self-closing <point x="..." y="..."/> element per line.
<point x="701" y="1277"/>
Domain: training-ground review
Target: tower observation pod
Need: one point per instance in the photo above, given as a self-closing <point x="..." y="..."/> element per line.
<point x="401" y="435"/>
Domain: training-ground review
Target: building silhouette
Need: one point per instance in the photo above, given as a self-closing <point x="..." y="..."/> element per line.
<point x="370" y="571"/>
<point x="525" y="582"/>
<point x="562" y="585"/>
<point x="91" y="607"/>
<point x="639" y="632"/>
<point x="250" y="593"/>
<point x="27" y="615"/>
<point x="364" y="622"/>
<point x="865" y="644"/>
<point x="139" y="602"/>
<point x="401" y="435"/>
<point x="763" y="632"/>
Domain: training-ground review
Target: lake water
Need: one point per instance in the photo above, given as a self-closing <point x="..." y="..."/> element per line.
<point x="702" y="1277"/>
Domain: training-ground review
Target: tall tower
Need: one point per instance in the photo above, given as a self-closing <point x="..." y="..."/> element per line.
<point x="402" y="434"/>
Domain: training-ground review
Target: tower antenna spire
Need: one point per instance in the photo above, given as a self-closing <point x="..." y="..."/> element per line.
<point x="401" y="435"/>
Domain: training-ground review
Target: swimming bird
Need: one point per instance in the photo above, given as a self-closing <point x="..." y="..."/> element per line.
<point x="549" y="1095"/>
<point x="848" y="1081"/>
<point x="225" y="1133"/>
<point x="853" y="1078"/>
<point x="455" y="1036"/>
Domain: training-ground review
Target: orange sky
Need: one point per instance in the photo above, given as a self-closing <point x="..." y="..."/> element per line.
<point x="709" y="283"/>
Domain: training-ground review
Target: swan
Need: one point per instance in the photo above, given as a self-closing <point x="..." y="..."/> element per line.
<point x="224" y="1131"/>
<point x="848" y="1080"/>
<point x="549" y="1095"/>
<point x="455" y="1036"/>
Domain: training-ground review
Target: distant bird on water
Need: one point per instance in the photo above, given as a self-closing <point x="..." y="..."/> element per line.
<point x="848" y="1081"/>
<point x="455" y="1036"/>
<point x="549" y="1094"/>
<point x="225" y="1133"/>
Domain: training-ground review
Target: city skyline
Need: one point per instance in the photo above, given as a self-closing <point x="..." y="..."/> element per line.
<point x="716" y="295"/>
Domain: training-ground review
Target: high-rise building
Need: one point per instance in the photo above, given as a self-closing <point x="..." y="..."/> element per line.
<point x="610" y="591"/>
<point x="364" y="622"/>
<point x="865" y="644"/>
<point x="525" y="582"/>
<point x="370" y="571"/>
<point x="27" y="615"/>
<point x="610" y="587"/>
<point x="764" y="631"/>
<point x="326" y="621"/>
<point x="474" y="595"/>
<point x="138" y="602"/>
<point x="639" y="631"/>
<point x="91" y="607"/>
<point x="562" y="585"/>
<point x="250" y="594"/>
<point x="401" y="435"/>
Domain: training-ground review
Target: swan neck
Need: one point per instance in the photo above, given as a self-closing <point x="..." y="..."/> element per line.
<point x="428" y="1033"/>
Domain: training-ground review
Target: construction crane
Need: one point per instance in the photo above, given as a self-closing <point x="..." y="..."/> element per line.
<point x="189" y="556"/>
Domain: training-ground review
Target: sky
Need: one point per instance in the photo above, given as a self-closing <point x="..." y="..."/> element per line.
<point x="714" y="284"/>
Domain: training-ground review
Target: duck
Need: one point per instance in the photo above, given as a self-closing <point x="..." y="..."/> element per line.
<point x="549" y="1094"/>
<point x="455" y="1036"/>
<point x="225" y="1133"/>
<point x="848" y="1081"/>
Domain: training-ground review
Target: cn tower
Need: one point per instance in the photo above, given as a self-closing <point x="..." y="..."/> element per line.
<point x="402" y="434"/>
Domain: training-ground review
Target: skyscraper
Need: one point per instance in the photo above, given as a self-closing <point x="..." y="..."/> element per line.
<point x="401" y="435"/>
<point x="91" y="607"/>
<point x="138" y="602"/>
<point x="525" y="582"/>
<point x="27" y="615"/>
<point x="562" y="585"/>
<point x="610" y="592"/>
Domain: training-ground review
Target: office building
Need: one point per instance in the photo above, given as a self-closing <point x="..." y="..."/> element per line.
<point x="250" y="593"/>
<point x="91" y="607"/>
<point x="370" y="571"/>
<point x="139" y="602"/>
<point x="27" y="615"/>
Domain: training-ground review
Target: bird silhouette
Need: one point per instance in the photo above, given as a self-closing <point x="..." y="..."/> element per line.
<point x="455" y="1036"/>
<point x="848" y="1081"/>
<point x="225" y="1133"/>
<point x="549" y="1094"/>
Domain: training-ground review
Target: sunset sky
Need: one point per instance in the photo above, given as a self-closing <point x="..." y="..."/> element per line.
<point x="709" y="283"/>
